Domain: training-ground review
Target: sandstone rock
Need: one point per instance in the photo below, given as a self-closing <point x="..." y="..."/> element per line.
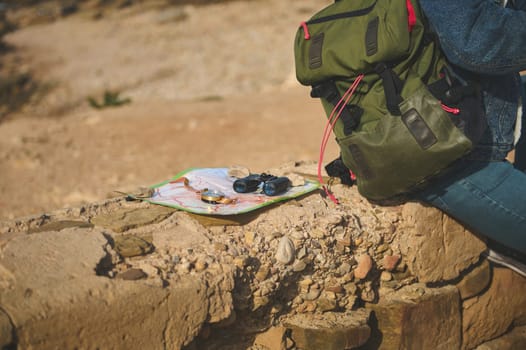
<point x="130" y="245"/>
<point x="273" y="339"/>
<point x="436" y="247"/>
<point x="516" y="339"/>
<point x="6" y="331"/>
<point x="326" y="304"/>
<point x="60" y="225"/>
<point x="365" y="264"/>
<point x="506" y="297"/>
<point x="475" y="281"/>
<point x="413" y="319"/>
<point x="61" y="302"/>
<point x="132" y="275"/>
<point x="128" y="218"/>
<point x="333" y="331"/>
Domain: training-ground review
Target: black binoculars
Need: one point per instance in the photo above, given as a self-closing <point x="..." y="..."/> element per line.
<point x="272" y="185"/>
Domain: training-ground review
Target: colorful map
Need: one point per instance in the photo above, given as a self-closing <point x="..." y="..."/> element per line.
<point x="184" y="191"/>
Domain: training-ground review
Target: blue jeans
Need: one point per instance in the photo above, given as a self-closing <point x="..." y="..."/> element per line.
<point x="489" y="198"/>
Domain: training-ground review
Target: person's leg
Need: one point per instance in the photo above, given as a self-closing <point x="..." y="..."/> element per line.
<point x="489" y="198"/>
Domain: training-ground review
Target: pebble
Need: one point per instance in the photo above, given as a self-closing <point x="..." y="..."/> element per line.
<point x="325" y="304"/>
<point x="386" y="276"/>
<point x="365" y="264"/>
<point x="249" y="238"/>
<point x="306" y="282"/>
<point x="260" y="301"/>
<point x="200" y="266"/>
<point x="238" y="171"/>
<point x="390" y="262"/>
<point x="344" y="269"/>
<point x="262" y="273"/>
<point x="299" y="265"/>
<point x="220" y="247"/>
<point x="129" y="246"/>
<point x="336" y="288"/>
<point x="132" y="275"/>
<point x="302" y="252"/>
<point x="313" y="294"/>
<point x="317" y="233"/>
<point x="286" y="251"/>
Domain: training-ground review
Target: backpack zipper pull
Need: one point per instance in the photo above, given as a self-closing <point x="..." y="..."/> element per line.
<point x="305" y="30"/>
<point x="451" y="110"/>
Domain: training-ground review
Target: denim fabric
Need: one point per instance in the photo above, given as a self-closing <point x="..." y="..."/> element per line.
<point x="485" y="42"/>
<point x="488" y="197"/>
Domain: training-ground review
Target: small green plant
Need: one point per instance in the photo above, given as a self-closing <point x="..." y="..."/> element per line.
<point x="110" y="99"/>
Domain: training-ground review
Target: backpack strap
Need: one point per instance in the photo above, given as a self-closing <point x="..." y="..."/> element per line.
<point x="392" y="87"/>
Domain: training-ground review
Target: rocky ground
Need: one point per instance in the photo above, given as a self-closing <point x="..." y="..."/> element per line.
<point x="104" y="96"/>
<point x="207" y="86"/>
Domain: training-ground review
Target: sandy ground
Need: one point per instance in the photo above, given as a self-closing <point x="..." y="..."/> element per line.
<point x="210" y="86"/>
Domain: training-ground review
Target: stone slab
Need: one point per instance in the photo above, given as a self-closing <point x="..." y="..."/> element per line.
<point x="54" y="299"/>
<point x="416" y="317"/>
<point x="330" y="331"/>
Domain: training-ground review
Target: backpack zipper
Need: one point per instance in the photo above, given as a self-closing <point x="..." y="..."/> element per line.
<point x="336" y="16"/>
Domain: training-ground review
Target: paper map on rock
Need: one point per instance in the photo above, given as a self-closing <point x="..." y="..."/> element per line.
<point x="184" y="190"/>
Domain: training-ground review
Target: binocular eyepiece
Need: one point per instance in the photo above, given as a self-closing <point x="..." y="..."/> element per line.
<point x="272" y="185"/>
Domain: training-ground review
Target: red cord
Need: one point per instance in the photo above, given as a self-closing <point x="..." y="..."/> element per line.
<point x="448" y="109"/>
<point x="330" y="126"/>
<point x="411" y="16"/>
<point x="305" y="30"/>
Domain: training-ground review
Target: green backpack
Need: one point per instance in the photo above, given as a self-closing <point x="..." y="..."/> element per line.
<point x="398" y="113"/>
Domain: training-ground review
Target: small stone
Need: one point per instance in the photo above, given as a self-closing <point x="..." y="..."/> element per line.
<point x="130" y="245"/>
<point x="310" y="306"/>
<point x="344" y="269"/>
<point x="238" y="171"/>
<point x="249" y="237"/>
<point x="368" y="295"/>
<point x="298" y="266"/>
<point x="350" y="288"/>
<point x="285" y="252"/>
<point x="386" y="276"/>
<point x="220" y="247"/>
<point x="317" y="233"/>
<point x="334" y="219"/>
<point x="365" y="264"/>
<point x="390" y="262"/>
<point x="326" y="304"/>
<point x="260" y="301"/>
<point x="336" y="288"/>
<point x="382" y="248"/>
<point x="262" y="273"/>
<point x="302" y="252"/>
<point x="273" y="338"/>
<point x="313" y="294"/>
<point x="305" y="283"/>
<point x="295" y="179"/>
<point x="200" y="266"/>
<point x="132" y="275"/>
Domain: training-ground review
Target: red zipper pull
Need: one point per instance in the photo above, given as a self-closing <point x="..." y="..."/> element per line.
<point x="450" y="109"/>
<point x="411" y="15"/>
<point x="305" y="30"/>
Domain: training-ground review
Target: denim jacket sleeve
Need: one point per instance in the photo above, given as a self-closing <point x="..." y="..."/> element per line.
<point x="480" y="35"/>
